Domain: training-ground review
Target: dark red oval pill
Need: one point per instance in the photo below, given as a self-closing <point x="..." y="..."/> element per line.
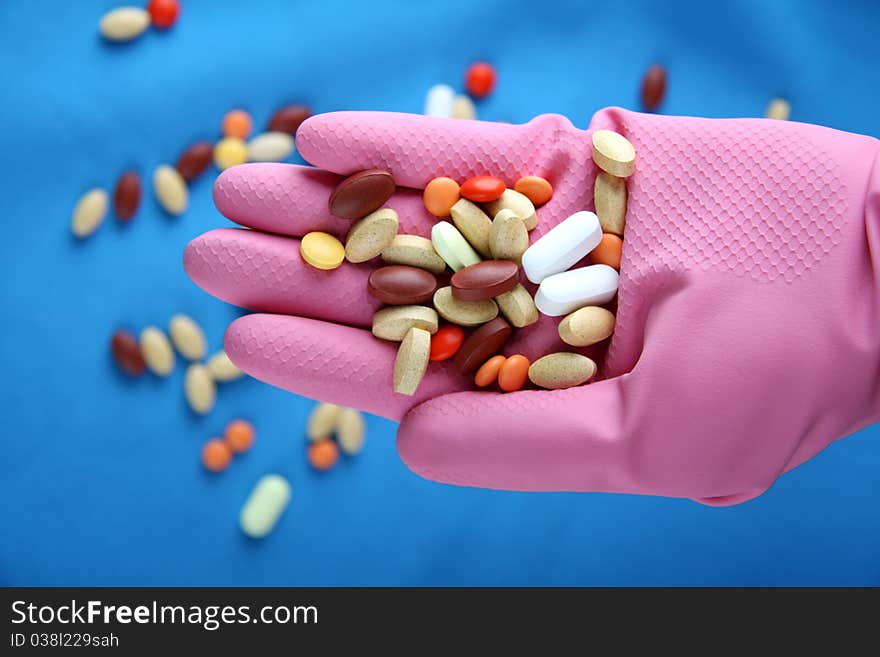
<point x="127" y="353"/>
<point x="289" y="118"/>
<point x="653" y="87"/>
<point x="361" y="193"/>
<point x="485" y="280"/>
<point x="486" y="341"/>
<point x="400" y="285"/>
<point x="195" y="160"/>
<point x="127" y="195"/>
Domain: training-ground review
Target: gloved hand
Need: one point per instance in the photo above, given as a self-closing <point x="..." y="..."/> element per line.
<point x="748" y="328"/>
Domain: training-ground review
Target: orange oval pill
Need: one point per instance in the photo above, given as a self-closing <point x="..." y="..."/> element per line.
<point x="216" y="455"/>
<point x="483" y="189"/>
<point x="239" y="436"/>
<point x="488" y="371"/>
<point x="323" y="454"/>
<point x="237" y="123"/>
<point x="608" y="252"/>
<point x="537" y="189"/>
<point x="446" y="342"/>
<point x="514" y="373"/>
<point x="440" y="195"/>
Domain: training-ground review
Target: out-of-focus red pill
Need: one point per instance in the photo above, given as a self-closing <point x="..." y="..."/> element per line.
<point x="289" y="118"/>
<point x="480" y="79"/>
<point x="195" y="160"/>
<point x="127" y="195"/>
<point x="163" y="13"/>
<point x="653" y="87"/>
<point x="127" y="353"/>
<point x="483" y="189"/>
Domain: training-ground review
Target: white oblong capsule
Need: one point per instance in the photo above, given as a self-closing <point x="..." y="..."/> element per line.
<point x="264" y="506"/>
<point x="270" y="147"/>
<point x="562" y="246"/>
<point x="451" y="245"/>
<point x="89" y="212"/>
<point x="439" y="101"/>
<point x="563" y="293"/>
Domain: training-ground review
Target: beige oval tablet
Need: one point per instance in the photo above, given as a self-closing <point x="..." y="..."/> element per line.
<point x="412" y="361"/>
<point x="609" y="195"/>
<point x="518" y="203"/>
<point x="474" y="224"/>
<point x="371" y="235"/>
<point x="463" y="313"/>
<point x="778" y="109"/>
<point x="222" y="369"/>
<point x="508" y="238"/>
<point x="518" y="307"/>
<point x="199" y="388"/>
<point x="322" y="421"/>
<point x="561" y="370"/>
<point x="587" y="326"/>
<point x="188" y="337"/>
<point x="264" y="506"/>
<point x="393" y="323"/>
<point x="156" y="350"/>
<point x="415" y="251"/>
<point x="124" y="23"/>
<point x="170" y="189"/>
<point x="613" y="153"/>
<point x="350" y="430"/>
<point x="270" y="147"/>
<point x="463" y="108"/>
<point x="89" y="212"/>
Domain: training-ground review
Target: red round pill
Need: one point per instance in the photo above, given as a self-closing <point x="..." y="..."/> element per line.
<point x="446" y="342"/>
<point x="480" y="79"/>
<point x="483" y="189"/>
<point x="163" y="13"/>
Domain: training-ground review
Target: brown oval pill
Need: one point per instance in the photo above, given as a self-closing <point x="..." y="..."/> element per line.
<point x="399" y="285"/>
<point x="485" y="280"/>
<point x="486" y="341"/>
<point x="195" y="160"/>
<point x="127" y="195"/>
<point x="361" y="193"/>
<point x="653" y="87"/>
<point x="127" y="353"/>
<point x="288" y="119"/>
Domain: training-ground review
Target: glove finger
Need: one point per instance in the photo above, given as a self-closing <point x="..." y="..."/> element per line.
<point x="267" y="273"/>
<point x="293" y="200"/>
<point x="417" y="148"/>
<point x="329" y="362"/>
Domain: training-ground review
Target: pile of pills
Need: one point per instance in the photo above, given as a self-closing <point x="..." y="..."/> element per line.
<point x="170" y="183"/>
<point x="327" y="421"/>
<point x="485" y="245"/>
<point x="153" y="351"/>
<point x="443" y="101"/>
<point x="238" y="438"/>
<point x="128" y="23"/>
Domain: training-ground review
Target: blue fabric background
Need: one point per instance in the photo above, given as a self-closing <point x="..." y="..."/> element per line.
<point x="100" y="481"/>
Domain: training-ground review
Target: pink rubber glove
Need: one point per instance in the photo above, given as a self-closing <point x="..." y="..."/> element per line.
<point x="748" y="332"/>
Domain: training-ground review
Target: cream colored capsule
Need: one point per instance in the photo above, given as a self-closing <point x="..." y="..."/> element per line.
<point x="587" y="326"/>
<point x="609" y="196"/>
<point x="463" y="108"/>
<point x="561" y="370"/>
<point x="270" y="147"/>
<point x="264" y="506"/>
<point x="188" y="337"/>
<point x="350" y="430"/>
<point x="222" y="369"/>
<point x="394" y="322"/>
<point x="124" y="23"/>
<point x="371" y="235"/>
<point x="199" y="388"/>
<point x="613" y="153"/>
<point x="778" y="109"/>
<point x="412" y="361"/>
<point x="322" y="421"/>
<point x="518" y="307"/>
<point x="463" y="313"/>
<point x="517" y="203"/>
<point x="170" y="189"/>
<point x="414" y="251"/>
<point x="157" y="351"/>
<point x="89" y="212"/>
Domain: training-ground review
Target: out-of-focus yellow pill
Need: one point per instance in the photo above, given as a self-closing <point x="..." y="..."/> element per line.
<point x="230" y="151"/>
<point x="322" y="250"/>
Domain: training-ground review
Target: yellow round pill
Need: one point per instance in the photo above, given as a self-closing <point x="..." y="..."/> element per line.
<point x="230" y="151"/>
<point x="322" y="250"/>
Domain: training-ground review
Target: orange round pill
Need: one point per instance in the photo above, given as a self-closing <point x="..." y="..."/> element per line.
<point x="323" y="454"/>
<point x="488" y="371"/>
<point x="216" y="455"/>
<point x="608" y="252"/>
<point x="239" y="436"/>
<point x="514" y="373"/>
<point x="479" y="79"/>
<point x="440" y="195"/>
<point x="537" y="189"/>
<point x="237" y="123"/>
